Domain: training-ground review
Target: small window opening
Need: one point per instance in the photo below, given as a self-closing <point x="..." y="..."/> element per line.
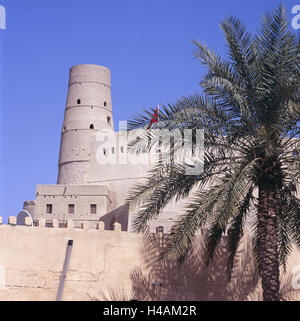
<point x="122" y="149"/>
<point x="104" y="151"/>
<point x="108" y="120"/>
<point x="112" y="150"/>
<point x="49" y="208"/>
<point x="78" y="101"/>
<point x="65" y="128"/>
<point x="93" y="208"/>
<point x="71" y="208"/>
<point x="105" y="104"/>
<point x="91" y="126"/>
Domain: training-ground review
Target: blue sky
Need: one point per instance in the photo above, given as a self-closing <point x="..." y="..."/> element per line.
<point x="145" y="43"/>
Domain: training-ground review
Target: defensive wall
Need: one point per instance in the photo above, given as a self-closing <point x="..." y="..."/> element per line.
<point x="120" y="265"/>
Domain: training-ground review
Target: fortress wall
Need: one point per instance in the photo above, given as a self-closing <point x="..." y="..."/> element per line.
<point x="29" y="206"/>
<point x="32" y="259"/>
<point x="111" y="165"/>
<point x="121" y="171"/>
<point x="115" y="265"/>
<point x="60" y="196"/>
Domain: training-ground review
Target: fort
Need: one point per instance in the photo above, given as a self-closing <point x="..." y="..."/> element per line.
<point x="95" y="171"/>
<point x="88" y="207"/>
<point x="120" y="265"/>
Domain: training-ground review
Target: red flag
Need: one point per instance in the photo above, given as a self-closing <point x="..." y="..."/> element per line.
<point x="154" y="118"/>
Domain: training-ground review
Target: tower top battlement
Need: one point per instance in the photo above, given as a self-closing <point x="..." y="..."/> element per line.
<point x="89" y="73"/>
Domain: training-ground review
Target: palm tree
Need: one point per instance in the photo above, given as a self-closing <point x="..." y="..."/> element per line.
<point x="250" y="115"/>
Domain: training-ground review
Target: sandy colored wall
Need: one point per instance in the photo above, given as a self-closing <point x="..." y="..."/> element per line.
<point x="32" y="259"/>
<point x="82" y="196"/>
<point x="115" y="265"/>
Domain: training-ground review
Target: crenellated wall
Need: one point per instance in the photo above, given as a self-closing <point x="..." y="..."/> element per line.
<point x="89" y="206"/>
<point x="119" y="265"/>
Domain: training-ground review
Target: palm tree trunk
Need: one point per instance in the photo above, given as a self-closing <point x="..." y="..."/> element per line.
<point x="269" y="263"/>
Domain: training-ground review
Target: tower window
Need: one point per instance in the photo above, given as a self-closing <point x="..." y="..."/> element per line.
<point x="93" y="208"/>
<point x="65" y="128"/>
<point x="78" y="101"/>
<point x="105" y="104"/>
<point x="71" y="208"/>
<point x="108" y="120"/>
<point x="122" y="149"/>
<point x="112" y="150"/>
<point x="91" y="126"/>
<point x="49" y="208"/>
<point x="104" y="151"/>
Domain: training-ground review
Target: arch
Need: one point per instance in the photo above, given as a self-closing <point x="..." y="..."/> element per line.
<point x="91" y="126"/>
<point x="78" y="101"/>
<point x="21" y="216"/>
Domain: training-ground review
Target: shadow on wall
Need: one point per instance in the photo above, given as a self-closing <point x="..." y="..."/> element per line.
<point x="119" y="215"/>
<point x="193" y="279"/>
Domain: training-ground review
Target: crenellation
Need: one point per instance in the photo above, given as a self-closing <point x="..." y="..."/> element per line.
<point x="29" y="203"/>
<point x="27" y="221"/>
<point x="70" y="224"/>
<point x="85" y="225"/>
<point x="12" y="220"/>
<point x="55" y="223"/>
<point x="41" y="222"/>
<point x="117" y="227"/>
<point x="100" y="226"/>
